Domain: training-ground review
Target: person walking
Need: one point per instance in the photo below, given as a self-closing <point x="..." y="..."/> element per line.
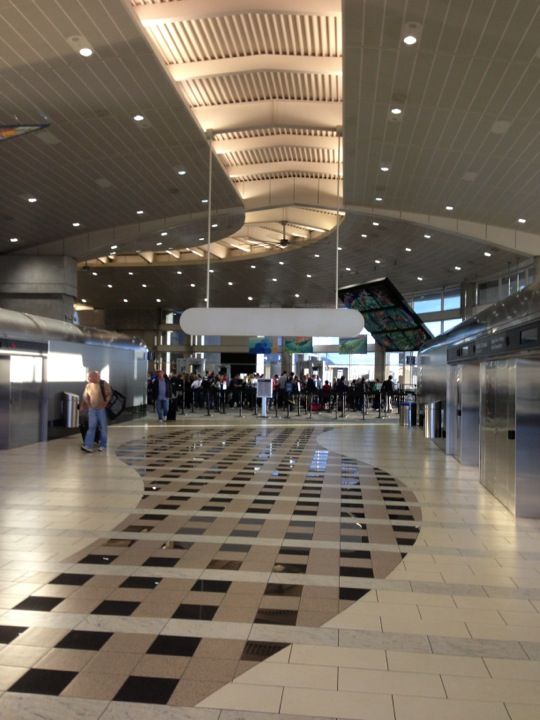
<point x="161" y="392"/>
<point x="96" y="396"/>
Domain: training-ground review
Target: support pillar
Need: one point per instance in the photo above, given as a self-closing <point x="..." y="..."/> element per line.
<point x="469" y="299"/>
<point x="40" y="285"/>
<point x="380" y="362"/>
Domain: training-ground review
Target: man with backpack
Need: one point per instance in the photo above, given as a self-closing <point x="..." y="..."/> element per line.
<point x="96" y="396"/>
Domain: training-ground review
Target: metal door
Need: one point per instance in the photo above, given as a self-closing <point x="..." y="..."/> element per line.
<point x="25" y="404"/>
<point x="4" y="401"/>
<point x="527" y="438"/>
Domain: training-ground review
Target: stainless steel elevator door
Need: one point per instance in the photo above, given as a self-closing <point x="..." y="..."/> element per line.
<point x="4" y="402"/>
<point x="25" y="404"/>
<point x="497" y="430"/>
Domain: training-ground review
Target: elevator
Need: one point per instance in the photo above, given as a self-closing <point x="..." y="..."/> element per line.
<point x="509" y="445"/>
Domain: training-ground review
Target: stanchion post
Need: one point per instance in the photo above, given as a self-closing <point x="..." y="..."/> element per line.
<point x="310" y="404"/>
<point x="380" y="404"/>
<point x="241" y="403"/>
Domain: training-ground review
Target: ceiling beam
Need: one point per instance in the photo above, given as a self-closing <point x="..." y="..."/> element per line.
<point x="268" y="113"/>
<point x="313" y="65"/>
<point x="222" y="147"/>
<point x="185" y="10"/>
<point x="296" y="166"/>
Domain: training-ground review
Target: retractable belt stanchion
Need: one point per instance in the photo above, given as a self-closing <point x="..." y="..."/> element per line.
<point x="192" y="401"/>
<point x="336" y="402"/>
<point x="298" y="404"/>
<point x="380" y="404"/>
<point x="208" y="403"/>
<point x="310" y="404"/>
<point x="241" y="403"/>
<point x="288" y="405"/>
<point x="343" y="405"/>
<point x="364" y="399"/>
<point x="276" y="406"/>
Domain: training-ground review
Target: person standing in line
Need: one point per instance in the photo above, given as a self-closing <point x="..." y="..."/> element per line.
<point x="96" y="396"/>
<point x="161" y="392"/>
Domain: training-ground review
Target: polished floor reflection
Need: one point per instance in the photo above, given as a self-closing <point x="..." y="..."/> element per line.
<point x="256" y="569"/>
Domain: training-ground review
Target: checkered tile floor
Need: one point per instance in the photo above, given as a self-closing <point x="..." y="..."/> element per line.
<point x="236" y="528"/>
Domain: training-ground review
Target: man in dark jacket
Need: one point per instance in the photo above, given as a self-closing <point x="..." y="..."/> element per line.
<point x="161" y="392"/>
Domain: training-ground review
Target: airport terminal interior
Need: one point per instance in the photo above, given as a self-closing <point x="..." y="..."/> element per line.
<point x="217" y="189"/>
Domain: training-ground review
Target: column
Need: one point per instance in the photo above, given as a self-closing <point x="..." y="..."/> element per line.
<point x="380" y="362"/>
<point x="39" y="285"/>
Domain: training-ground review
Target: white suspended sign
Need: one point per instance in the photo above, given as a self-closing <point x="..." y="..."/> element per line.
<point x="287" y="322"/>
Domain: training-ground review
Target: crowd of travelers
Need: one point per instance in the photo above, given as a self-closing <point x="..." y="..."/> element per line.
<point x="214" y="391"/>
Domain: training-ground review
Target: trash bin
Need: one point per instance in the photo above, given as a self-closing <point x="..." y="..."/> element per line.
<point x="70" y="409"/>
<point x="407" y="414"/>
<point x="433" y="420"/>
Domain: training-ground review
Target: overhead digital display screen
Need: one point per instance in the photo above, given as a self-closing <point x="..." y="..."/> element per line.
<point x="387" y="315"/>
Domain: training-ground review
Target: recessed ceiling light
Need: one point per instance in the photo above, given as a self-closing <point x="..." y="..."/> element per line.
<point x="396" y="111"/>
<point x="201" y="239"/>
<point x="340" y="248"/>
<point x="487" y="253"/>
<point x="215" y="225"/>
<point x="378" y="199"/>
<point x="178" y="272"/>
<point x="377" y="262"/>
<point x="409" y="40"/>
<point x="457" y="267"/>
<point x="317" y="255"/>
<point x="204" y="200"/>
<point x="114" y="247"/>
<point x="375" y="223"/>
<point x="296" y="295"/>
<point x="253" y="267"/>
<point x="109" y="286"/>
<point x="407" y="249"/>
<point x="181" y="172"/>
<point x="164" y="233"/>
<point x="385" y="168"/>
<point x="144" y="285"/>
<point x="86" y="52"/>
<point x="308" y="275"/>
<point x="364" y="235"/>
<point x="274" y="279"/>
<point x="159" y="244"/>
<point x="230" y="283"/>
<point x="348" y="269"/>
<point x="522" y="221"/>
<point x="250" y="298"/>
<point x="281" y="262"/>
<point x="211" y="271"/>
<point x="192" y="285"/>
<point x="158" y="299"/>
<point x="420" y="278"/>
<point x="126" y="300"/>
<point x="140" y="212"/>
<point x="449" y="208"/>
<point x="138" y="117"/>
<point x="427" y="236"/>
<point x="94" y="274"/>
<point x="32" y="199"/>
<point x="76" y="224"/>
<point x="13" y="240"/>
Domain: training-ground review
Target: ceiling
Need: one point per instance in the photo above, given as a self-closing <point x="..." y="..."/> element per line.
<point x="296" y="104"/>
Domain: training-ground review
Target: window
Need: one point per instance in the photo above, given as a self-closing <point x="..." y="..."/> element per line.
<point x="427" y="304"/>
<point x="434" y="327"/>
<point x="452" y="301"/>
<point x="449" y="324"/>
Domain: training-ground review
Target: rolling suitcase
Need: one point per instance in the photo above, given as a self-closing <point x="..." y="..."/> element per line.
<point x="171" y="415"/>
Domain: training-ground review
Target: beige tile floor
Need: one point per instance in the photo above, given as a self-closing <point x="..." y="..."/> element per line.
<point x="453" y="632"/>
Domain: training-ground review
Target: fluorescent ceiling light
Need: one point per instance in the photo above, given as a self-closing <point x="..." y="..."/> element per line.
<point x="178" y="272"/>
<point x="385" y="168"/>
<point x="420" y="278"/>
<point x="215" y="225"/>
<point x="378" y="199"/>
<point x="13" y="240"/>
<point x="204" y="200"/>
<point x="83" y="300"/>
<point x="427" y="236"/>
<point x="487" y="253"/>
<point x="138" y="117"/>
<point x="32" y="199"/>
<point x="449" y="208"/>
<point x="114" y="247"/>
<point x="164" y="233"/>
<point x="76" y="224"/>
<point x="109" y="286"/>
<point x="192" y="285"/>
<point x="522" y="221"/>
<point x="296" y="295"/>
<point x="375" y="223"/>
<point x="407" y="249"/>
<point x="130" y="273"/>
<point x="457" y="267"/>
<point x="377" y="262"/>
<point x="230" y="283"/>
<point x="144" y="285"/>
<point x="86" y="52"/>
<point x="396" y="111"/>
<point x="126" y="300"/>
